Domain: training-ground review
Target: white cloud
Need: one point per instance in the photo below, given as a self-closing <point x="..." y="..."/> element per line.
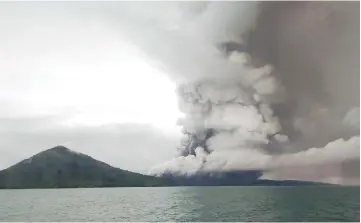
<point x="69" y="77"/>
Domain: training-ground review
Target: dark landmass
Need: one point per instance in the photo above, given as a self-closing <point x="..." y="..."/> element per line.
<point x="235" y="178"/>
<point x="60" y="167"/>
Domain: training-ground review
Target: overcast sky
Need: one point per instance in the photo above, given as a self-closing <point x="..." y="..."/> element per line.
<point x="68" y="77"/>
<point x="71" y="75"/>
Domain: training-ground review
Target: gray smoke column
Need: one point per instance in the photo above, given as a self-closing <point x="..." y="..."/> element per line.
<point x="315" y="49"/>
<point x="226" y="101"/>
<point x="262" y="85"/>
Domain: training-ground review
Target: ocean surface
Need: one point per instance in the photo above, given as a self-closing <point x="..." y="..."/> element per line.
<point x="182" y="204"/>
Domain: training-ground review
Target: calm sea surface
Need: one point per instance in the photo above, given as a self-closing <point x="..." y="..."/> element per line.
<point x="182" y="204"/>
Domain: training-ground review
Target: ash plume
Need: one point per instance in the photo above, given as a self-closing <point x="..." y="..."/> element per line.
<point x="265" y="86"/>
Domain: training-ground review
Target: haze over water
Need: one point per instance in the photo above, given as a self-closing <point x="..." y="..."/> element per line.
<point x="182" y="204"/>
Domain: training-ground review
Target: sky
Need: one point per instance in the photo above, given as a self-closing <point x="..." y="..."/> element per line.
<point x="101" y="79"/>
<point x="68" y="78"/>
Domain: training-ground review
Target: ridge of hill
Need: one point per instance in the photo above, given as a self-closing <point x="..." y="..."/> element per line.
<point x="60" y="167"/>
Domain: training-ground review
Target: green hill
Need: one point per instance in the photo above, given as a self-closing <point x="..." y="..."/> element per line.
<point x="60" y="167"/>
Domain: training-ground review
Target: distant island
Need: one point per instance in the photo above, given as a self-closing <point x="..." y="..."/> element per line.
<point x="60" y="167"/>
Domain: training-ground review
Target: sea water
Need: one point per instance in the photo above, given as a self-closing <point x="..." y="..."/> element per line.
<point x="182" y="204"/>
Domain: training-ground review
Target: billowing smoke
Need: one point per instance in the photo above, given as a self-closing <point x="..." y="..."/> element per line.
<point x="259" y="83"/>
